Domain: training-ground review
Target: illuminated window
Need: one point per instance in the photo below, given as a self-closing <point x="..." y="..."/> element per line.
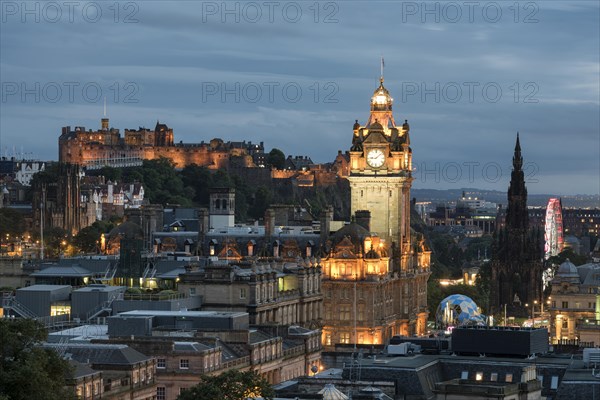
<point x="345" y="337"/>
<point x="508" y="378"/>
<point x="464" y="375"/>
<point x="494" y="377"/>
<point x="328" y="339"/>
<point x="60" y="310"/>
<point x="345" y="313"/>
<point x="479" y="376"/>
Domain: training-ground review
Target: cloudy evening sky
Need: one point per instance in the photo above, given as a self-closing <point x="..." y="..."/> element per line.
<point x="295" y="75"/>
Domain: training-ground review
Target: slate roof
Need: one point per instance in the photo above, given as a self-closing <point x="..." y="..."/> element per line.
<point x="128" y="230"/>
<point x="92" y="265"/>
<point x="172" y="274"/>
<point x="589" y="274"/>
<point x="190" y="346"/>
<point x="354" y="231"/>
<point x="259" y="336"/>
<point x="43" y="288"/>
<point x="80" y="370"/>
<point x="330" y="392"/>
<point x="106" y="354"/>
<point x="70" y="271"/>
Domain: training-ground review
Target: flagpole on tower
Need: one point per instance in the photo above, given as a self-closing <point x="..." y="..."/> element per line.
<point x="382" y="66"/>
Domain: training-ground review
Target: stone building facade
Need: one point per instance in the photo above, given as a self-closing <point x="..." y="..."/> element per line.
<point x="575" y="305"/>
<point x="286" y="295"/>
<point x="376" y="269"/>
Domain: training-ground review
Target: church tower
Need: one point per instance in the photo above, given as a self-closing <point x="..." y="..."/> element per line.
<point x="517" y="251"/>
<point x="380" y="174"/>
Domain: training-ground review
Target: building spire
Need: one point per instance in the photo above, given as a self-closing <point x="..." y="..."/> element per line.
<point x="516" y="213"/>
<point x="517" y="157"/>
<point x="382" y="67"/>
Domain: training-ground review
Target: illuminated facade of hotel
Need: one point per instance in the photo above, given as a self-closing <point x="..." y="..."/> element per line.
<point x="375" y="269"/>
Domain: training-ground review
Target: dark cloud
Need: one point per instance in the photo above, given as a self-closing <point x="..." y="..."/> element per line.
<point x="177" y="50"/>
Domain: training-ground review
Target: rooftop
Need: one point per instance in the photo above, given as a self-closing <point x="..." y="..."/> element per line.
<point x="43" y="288"/>
<point x="189" y="314"/>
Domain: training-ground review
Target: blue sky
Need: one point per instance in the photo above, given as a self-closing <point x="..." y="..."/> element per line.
<point x="296" y="74"/>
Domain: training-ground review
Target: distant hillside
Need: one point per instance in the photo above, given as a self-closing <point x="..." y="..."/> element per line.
<point x="496" y="196"/>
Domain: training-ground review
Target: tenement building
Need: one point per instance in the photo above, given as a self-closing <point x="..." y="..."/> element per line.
<point x="375" y="270"/>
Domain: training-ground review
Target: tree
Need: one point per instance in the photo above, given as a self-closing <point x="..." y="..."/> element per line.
<point x="263" y="198"/>
<point x="27" y="370"/>
<point x="110" y="173"/>
<point x="276" y="159"/>
<point x="199" y="179"/>
<point x="162" y="184"/>
<point x="569" y="254"/>
<point x="230" y="385"/>
<point x="87" y="239"/>
<point x="11" y="222"/>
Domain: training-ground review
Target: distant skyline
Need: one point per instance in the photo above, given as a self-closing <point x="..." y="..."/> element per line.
<point x="466" y="75"/>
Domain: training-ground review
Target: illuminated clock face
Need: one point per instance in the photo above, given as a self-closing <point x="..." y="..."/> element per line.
<point x="375" y="158"/>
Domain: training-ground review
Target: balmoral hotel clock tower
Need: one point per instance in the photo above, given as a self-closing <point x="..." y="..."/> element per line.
<point x="380" y="176"/>
<point x="375" y="269"/>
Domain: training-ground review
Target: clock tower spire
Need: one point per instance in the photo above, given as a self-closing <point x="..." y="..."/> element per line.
<point x="380" y="181"/>
<point x="380" y="171"/>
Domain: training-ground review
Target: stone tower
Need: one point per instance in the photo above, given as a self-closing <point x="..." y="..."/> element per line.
<point x="517" y="252"/>
<point x="222" y="207"/>
<point x="380" y="175"/>
<point x="375" y="270"/>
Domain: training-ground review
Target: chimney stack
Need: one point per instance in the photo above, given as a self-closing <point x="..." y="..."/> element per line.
<point x="269" y="223"/>
<point x="326" y="218"/>
<point x="363" y="218"/>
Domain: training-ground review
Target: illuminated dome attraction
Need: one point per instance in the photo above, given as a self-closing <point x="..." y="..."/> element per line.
<point x="456" y="310"/>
